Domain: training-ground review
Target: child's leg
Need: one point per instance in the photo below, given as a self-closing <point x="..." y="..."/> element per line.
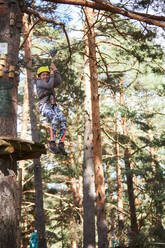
<point x="47" y="111"/>
<point x="51" y="133"/>
<point x="62" y="120"/>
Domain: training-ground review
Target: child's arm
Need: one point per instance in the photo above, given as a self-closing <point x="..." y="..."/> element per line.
<point x="56" y="73"/>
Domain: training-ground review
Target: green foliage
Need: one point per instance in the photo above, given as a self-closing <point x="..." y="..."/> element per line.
<point x="129" y="63"/>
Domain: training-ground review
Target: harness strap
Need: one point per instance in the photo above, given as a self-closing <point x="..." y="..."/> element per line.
<point x="45" y="94"/>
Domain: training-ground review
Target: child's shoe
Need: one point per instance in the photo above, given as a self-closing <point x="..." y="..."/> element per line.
<point x="61" y="148"/>
<point x="53" y="148"/>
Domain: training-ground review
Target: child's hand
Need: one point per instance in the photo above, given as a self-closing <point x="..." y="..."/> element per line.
<point x="53" y="67"/>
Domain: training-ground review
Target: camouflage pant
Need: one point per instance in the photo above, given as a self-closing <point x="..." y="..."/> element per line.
<point x="55" y="116"/>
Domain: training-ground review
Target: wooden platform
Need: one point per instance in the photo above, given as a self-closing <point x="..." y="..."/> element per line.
<point x="20" y="149"/>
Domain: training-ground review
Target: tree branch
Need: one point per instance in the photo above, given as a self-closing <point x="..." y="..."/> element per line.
<point x="102" y="5"/>
<point x="43" y="18"/>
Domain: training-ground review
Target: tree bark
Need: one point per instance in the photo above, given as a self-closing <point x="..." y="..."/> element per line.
<point x="97" y="147"/>
<point x="25" y="118"/>
<point x="119" y="179"/>
<point x="76" y="188"/>
<point x="9" y="35"/>
<point x="8" y="204"/>
<point x="88" y="164"/>
<point x="19" y="190"/>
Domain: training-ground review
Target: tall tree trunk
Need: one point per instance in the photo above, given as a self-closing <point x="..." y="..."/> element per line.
<point x="10" y="14"/>
<point x="131" y="196"/>
<point x="10" y="35"/>
<point x="19" y="190"/>
<point x="79" y="141"/>
<point x="8" y="204"/>
<point x="119" y="175"/>
<point x="88" y="163"/>
<point x="119" y="179"/>
<point x="40" y="220"/>
<point x="79" y="148"/>
<point x="25" y="117"/>
<point x="76" y="189"/>
<point x="97" y="147"/>
<point x="25" y="110"/>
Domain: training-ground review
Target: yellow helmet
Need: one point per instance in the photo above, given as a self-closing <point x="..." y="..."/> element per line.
<point x="43" y="69"/>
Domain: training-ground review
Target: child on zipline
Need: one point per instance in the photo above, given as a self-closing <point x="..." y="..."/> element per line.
<point x="45" y="84"/>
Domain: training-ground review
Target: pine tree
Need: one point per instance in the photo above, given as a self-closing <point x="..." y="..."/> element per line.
<point x="9" y="35"/>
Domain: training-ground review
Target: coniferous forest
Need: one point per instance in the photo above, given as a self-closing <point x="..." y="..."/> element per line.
<point x="109" y="189"/>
